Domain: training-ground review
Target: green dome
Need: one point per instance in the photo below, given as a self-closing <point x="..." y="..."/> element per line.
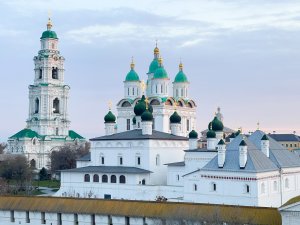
<point x="49" y="34"/>
<point x="140" y="107"/>
<point x="132" y="76"/>
<point x="180" y="77"/>
<point x="160" y="73"/>
<point x="147" y="116"/>
<point x="134" y="120"/>
<point x="110" y="117"/>
<point x="193" y="134"/>
<point x="175" y="118"/>
<point x="217" y="125"/>
<point x="211" y="134"/>
<point x="153" y="66"/>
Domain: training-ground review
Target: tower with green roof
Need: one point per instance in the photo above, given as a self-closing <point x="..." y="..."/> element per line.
<point x="132" y="84"/>
<point x="48" y="124"/>
<point x="152" y="68"/>
<point x="180" y="84"/>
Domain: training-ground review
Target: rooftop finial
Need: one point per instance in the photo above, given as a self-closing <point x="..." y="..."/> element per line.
<point x="146" y="101"/>
<point x="109" y="104"/>
<point x="160" y="61"/>
<point x="257" y="125"/>
<point x="132" y="63"/>
<point x="156" y="49"/>
<point x="180" y="65"/>
<point x="49" y="24"/>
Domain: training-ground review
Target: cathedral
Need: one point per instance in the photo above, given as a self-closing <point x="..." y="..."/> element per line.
<point x="48" y="125"/>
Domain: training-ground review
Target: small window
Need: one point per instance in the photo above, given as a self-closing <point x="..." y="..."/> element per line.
<point x="102" y="160"/>
<point x="104" y="179"/>
<point x="40" y="73"/>
<point x="127" y="91"/>
<point x="291" y="145"/>
<point x="120" y="160"/>
<point x="143" y="182"/>
<point x="157" y="160"/>
<point x="56" y="105"/>
<point x="162" y="90"/>
<point x="86" y="178"/>
<point x="54" y="73"/>
<point x="187" y="124"/>
<point x="195" y="187"/>
<point x="247" y="188"/>
<point x="286" y="183"/>
<point x="139" y="160"/>
<point x="177" y="177"/>
<point x="213" y="186"/>
<point x="56" y="131"/>
<point x="37" y="105"/>
<point x="96" y="178"/>
<point x="262" y="188"/>
<point x="122" y="179"/>
<point x="128" y="124"/>
<point x="27" y="217"/>
<point x="132" y="91"/>
<point x="113" y="179"/>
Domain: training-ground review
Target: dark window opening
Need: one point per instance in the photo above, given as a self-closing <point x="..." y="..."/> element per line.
<point x="128" y="124"/>
<point x="12" y="216"/>
<point x="40" y="73"/>
<point x="247" y="188"/>
<point x="86" y="178"/>
<point x="126" y="104"/>
<point x="59" y="221"/>
<point x="56" y="105"/>
<point x="96" y="178"/>
<point x="127" y="220"/>
<point x="37" y="105"/>
<point x="143" y="182"/>
<point x="122" y="179"/>
<point x="139" y="160"/>
<point x="93" y="218"/>
<point x="43" y="218"/>
<point x="76" y="222"/>
<point x="106" y="196"/>
<point x="27" y="217"/>
<point x="113" y="179"/>
<point x="32" y="163"/>
<point x="121" y="160"/>
<point x="102" y="160"/>
<point x="54" y="73"/>
<point x="104" y="178"/>
<point x="56" y="131"/>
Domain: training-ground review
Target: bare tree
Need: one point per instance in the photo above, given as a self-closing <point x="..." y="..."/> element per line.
<point x="2" y="147"/>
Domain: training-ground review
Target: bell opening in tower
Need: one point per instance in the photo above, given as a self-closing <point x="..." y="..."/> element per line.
<point x="56" y="105"/>
<point x="54" y="73"/>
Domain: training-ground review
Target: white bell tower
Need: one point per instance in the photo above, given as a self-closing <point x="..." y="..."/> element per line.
<point x="48" y="96"/>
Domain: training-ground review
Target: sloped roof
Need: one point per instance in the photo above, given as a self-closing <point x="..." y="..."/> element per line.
<point x="86" y="157"/>
<point x="25" y="133"/>
<point x="137" y="135"/>
<point x="176" y="164"/>
<point x="285" y="137"/>
<point x="257" y="161"/>
<point x="74" y="135"/>
<point x="163" y="210"/>
<point x="107" y="169"/>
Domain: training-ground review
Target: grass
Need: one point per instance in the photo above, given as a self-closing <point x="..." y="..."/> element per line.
<point x="47" y="183"/>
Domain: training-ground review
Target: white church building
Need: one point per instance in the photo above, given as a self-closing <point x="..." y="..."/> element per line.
<point x="150" y="151"/>
<point x="48" y="124"/>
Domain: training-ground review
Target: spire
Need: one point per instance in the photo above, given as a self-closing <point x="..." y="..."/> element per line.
<point x="180" y="66"/>
<point x="49" y="24"/>
<point x="132" y="64"/>
<point x="156" y="50"/>
<point x="160" y="61"/>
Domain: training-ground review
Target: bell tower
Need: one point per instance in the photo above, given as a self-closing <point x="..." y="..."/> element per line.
<point x="48" y="96"/>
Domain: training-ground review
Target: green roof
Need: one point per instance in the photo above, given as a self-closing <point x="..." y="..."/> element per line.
<point x="160" y="73"/>
<point x="132" y="76"/>
<point x="153" y="66"/>
<point x="25" y="133"/>
<point x="49" y="34"/>
<point x="180" y="77"/>
<point x="109" y="117"/>
<point x="74" y="135"/>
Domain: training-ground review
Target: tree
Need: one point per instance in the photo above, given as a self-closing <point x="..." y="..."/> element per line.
<point x="43" y="174"/>
<point x="2" y="147"/>
<point x="65" y="157"/>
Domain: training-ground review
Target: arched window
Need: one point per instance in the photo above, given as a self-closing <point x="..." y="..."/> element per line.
<point x="143" y="182"/>
<point x="40" y="73"/>
<point x="286" y="183"/>
<point x="56" y="131"/>
<point x="54" y="73"/>
<point x="126" y="104"/>
<point x="122" y="179"/>
<point x="275" y="186"/>
<point x="190" y="105"/>
<point x="36" y="105"/>
<point x="161" y="89"/>
<point x="104" y="178"/>
<point x="96" y="178"/>
<point x="156" y="89"/>
<point x="56" y="105"/>
<point x="133" y="91"/>
<point x="195" y="187"/>
<point x="32" y="163"/>
<point x="154" y="102"/>
<point x="157" y="160"/>
<point x="86" y="178"/>
<point x="168" y="102"/>
<point x="262" y="188"/>
<point x="113" y="179"/>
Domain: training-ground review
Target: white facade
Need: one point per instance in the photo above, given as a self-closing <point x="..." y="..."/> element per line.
<point x="48" y="121"/>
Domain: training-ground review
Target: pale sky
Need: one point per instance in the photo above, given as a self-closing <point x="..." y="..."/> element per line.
<point x="240" y="55"/>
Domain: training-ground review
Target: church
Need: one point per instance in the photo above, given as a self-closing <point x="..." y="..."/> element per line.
<point x="48" y="125"/>
<point x="150" y="151"/>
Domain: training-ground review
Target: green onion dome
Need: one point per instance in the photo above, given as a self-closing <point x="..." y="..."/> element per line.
<point x="153" y="66"/>
<point x="264" y="138"/>
<point x="134" y="120"/>
<point x="221" y="142"/>
<point x="211" y="134"/>
<point x="243" y="143"/>
<point x="175" y="118"/>
<point x="140" y="107"/>
<point x="110" y="117"/>
<point x="49" y="33"/>
<point x="132" y="75"/>
<point x="180" y="77"/>
<point x="147" y="116"/>
<point x="160" y="72"/>
<point x="217" y="125"/>
<point x="193" y="134"/>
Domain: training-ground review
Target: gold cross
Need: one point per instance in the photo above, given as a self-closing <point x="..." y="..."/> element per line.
<point x="109" y="104"/>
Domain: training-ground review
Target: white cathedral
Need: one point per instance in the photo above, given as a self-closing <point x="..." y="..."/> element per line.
<point x="48" y="123"/>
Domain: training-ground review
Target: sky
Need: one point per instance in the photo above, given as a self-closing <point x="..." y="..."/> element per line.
<point x="240" y="55"/>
